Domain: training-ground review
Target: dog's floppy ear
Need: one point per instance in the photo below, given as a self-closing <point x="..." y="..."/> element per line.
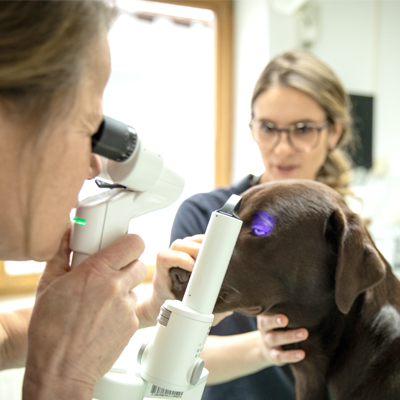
<point x="359" y="265"/>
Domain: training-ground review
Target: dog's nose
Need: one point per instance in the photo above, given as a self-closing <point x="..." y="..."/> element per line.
<point x="179" y="278"/>
<point x="179" y="275"/>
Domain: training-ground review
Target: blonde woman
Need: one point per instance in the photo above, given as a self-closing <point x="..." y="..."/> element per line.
<point x="301" y="123"/>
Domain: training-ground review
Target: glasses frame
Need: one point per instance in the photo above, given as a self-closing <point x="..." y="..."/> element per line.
<point x="289" y="131"/>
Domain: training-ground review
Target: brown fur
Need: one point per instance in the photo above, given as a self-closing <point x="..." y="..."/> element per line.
<point x="320" y="268"/>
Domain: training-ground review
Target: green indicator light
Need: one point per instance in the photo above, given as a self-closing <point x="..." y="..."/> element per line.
<point x="79" y="221"/>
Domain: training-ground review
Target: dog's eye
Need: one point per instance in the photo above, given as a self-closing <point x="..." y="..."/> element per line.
<point x="263" y="224"/>
<point x="258" y="232"/>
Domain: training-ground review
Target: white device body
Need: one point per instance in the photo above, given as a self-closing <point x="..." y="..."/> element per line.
<point x="216" y="251"/>
<point x="150" y="184"/>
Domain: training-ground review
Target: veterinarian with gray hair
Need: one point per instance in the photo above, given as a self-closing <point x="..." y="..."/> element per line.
<point x="301" y="123"/>
<point x="54" y="65"/>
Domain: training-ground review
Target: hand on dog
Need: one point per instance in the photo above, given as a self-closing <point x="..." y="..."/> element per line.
<point x="183" y="254"/>
<point x="273" y="340"/>
<point x="82" y="318"/>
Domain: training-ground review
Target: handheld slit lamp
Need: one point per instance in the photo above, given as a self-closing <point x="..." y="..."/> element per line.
<point x="169" y="366"/>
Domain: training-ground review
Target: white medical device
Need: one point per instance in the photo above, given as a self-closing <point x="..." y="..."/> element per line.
<point x="169" y="366"/>
<point x="141" y="184"/>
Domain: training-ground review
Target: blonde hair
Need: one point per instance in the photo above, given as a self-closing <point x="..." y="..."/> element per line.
<point x="303" y="71"/>
<point x="42" y="50"/>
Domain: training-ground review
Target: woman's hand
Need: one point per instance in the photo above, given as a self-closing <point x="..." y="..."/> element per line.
<point x="272" y="340"/>
<point x="82" y="319"/>
<point x="235" y="356"/>
<point x="182" y="254"/>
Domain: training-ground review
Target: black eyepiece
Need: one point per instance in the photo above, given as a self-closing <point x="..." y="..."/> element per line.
<point x="114" y="140"/>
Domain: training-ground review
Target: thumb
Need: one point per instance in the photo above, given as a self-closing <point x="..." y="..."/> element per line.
<point x="59" y="264"/>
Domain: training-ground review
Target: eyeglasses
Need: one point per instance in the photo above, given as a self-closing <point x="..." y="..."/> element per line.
<point x="302" y="137"/>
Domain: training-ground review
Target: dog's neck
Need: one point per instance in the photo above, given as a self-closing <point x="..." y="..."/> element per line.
<point x="338" y="353"/>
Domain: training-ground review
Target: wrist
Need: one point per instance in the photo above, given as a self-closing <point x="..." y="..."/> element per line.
<point x="42" y="385"/>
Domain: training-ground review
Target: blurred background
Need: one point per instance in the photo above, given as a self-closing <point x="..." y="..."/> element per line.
<point x="183" y="73"/>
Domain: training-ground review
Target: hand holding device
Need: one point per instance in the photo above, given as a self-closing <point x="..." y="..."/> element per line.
<point x="80" y="344"/>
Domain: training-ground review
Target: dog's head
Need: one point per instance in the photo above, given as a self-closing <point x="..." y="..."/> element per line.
<point x="300" y="252"/>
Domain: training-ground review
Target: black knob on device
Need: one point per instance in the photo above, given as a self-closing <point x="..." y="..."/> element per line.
<point x="114" y="140"/>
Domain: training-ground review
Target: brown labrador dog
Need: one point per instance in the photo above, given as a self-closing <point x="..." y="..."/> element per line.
<point x="302" y="252"/>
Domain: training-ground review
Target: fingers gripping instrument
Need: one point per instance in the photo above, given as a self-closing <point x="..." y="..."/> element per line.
<point x="141" y="183"/>
<point x="170" y="365"/>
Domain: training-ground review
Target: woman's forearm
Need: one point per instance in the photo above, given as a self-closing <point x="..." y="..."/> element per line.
<point x="13" y="338"/>
<point x="231" y="357"/>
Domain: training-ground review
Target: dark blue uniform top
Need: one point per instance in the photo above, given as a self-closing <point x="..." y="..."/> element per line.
<point x="273" y="383"/>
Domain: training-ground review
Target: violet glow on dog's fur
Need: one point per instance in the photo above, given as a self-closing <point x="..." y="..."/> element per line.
<point x="319" y="267"/>
<point x="263" y="223"/>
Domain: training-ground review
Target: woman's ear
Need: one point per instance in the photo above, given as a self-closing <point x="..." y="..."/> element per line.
<point x="334" y="135"/>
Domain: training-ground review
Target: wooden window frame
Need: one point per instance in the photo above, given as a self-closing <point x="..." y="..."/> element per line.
<point x="223" y="95"/>
<point x="17" y="284"/>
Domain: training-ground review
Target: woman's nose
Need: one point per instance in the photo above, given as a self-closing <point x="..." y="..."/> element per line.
<point x="282" y="145"/>
<point x="95" y="166"/>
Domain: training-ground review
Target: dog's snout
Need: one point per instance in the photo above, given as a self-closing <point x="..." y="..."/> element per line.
<point x="179" y="275"/>
<point x="180" y="279"/>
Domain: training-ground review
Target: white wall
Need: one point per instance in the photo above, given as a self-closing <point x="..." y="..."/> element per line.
<point x="347" y="42"/>
<point x="388" y="86"/>
<point x="251" y="54"/>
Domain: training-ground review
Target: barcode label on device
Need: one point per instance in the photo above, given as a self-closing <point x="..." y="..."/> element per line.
<point x="160" y="392"/>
